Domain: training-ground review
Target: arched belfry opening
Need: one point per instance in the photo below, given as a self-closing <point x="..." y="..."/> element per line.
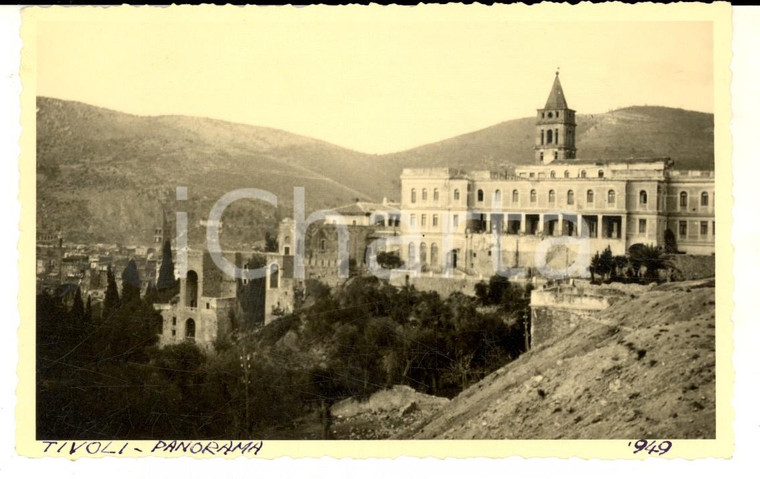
<point x="191" y="289"/>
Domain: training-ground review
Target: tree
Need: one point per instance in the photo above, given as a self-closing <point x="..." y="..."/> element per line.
<point x="389" y="260"/>
<point x="653" y="258"/>
<point x="88" y="310"/>
<point x="130" y="283"/>
<point x="270" y="242"/>
<point x="595" y="266"/>
<point x="77" y="308"/>
<point x="166" y="278"/>
<point x="111" y="302"/>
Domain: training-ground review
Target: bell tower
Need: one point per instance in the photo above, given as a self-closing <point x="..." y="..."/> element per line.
<point x="555" y="128"/>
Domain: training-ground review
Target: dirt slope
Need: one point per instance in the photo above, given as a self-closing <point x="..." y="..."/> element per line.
<point x="645" y="369"/>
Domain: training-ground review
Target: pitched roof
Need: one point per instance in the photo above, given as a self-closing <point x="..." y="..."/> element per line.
<point x="556" y="100"/>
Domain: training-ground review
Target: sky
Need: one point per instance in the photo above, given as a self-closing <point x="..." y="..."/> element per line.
<point x="373" y="83"/>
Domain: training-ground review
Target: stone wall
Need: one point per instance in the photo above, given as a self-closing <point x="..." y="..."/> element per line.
<point x="445" y="286"/>
<point x="557" y="311"/>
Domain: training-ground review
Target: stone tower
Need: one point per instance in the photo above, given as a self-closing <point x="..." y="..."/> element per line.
<point x="555" y="128"/>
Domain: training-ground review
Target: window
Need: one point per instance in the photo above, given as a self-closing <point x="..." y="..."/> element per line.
<point x="174" y="332"/>
<point x="456" y="195"/>
<point x="703" y="228"/>
<point x="642" y="227"/>
<point x="414" y="195"/>
<point x="549" y="134"/>
<point x="412" y="253"/>
<point x="705" y="200"/>
<point x="642" y="197"/>
<point x="570" y="197"/>
<point x="497" y="197"/>
<point x="567" y="174"/>
<point x="174" y="321"/>
<point x="424" y="194"/>
<point x="435" y="220"/>
<point x="412" y="220"/>
<point x="435" y="194"/>
<point x="480" y="195"/>
<point x="611" y="197"/>
<point x="682" y="228"/>
<point x="455" y="221"/>
<point x="208" y="305"/>
<point x="423" y="253"/>
<point x="552" y="174"/>
<point x="322" y="244"/>
<point x="683" y="199"/>
<point x="190" y="328"/>
<point x="515" y="197"/>
<point x="423" y="220"/>
<point x="532" y="196"/>
<point x="552" y="197"/>
<point x="583" y="173"/>
<point x="550" y="116"/>
<point x="713" y="228"/>
<point x="542" y="141"/>
<point x="541" y="156"/>
<point x="600" y="173"/>
<point x="433" y="254"/>
<point x="590" y="197"/>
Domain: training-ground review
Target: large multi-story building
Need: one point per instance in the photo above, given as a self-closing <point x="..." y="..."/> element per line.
<point x="479" y="221"/>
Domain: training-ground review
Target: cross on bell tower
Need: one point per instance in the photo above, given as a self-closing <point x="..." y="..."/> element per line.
<point x="555" y="127"/>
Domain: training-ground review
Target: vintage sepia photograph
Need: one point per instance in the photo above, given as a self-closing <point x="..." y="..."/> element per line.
<point x="352" y="223"/>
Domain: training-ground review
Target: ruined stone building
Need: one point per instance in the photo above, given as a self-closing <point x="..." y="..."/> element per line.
<point x="211" y="303"/>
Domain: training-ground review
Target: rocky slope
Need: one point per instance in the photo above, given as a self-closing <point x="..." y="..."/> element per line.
<point x="646" y="368"/>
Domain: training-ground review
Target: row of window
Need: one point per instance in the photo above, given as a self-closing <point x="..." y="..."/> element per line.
<point x="552" y="196"/>
<point x="643" y="196"/>
<point x="423" y="220"/>
<point x="683" y="199"/>
<point x="683" y="228"/>
<point x="435" y="194"/>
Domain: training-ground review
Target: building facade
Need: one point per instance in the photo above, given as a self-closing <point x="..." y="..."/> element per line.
<point x="482" y="221"/>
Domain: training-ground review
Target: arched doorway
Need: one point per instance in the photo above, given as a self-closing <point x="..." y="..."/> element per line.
<point x="274" y="276"/>
<point x="451" y="258"/>
<point x="190" y="329"/>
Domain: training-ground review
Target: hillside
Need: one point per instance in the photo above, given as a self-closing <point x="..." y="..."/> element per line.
<point x="684" y="136"/>
<point x="629" y="375"/>
<point x="101" y="174"/>
<point x="108" y="170"/>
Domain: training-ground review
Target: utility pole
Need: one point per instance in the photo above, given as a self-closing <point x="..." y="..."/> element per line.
<point x="245" y="364"/>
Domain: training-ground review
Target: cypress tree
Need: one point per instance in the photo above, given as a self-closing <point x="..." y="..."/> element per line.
<point x="111" y="301"/>
<point x="130" y="283"/>
<point x="88" y="310"/>
<point x="77" y="308"/>
<point x="166" y="272"/>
